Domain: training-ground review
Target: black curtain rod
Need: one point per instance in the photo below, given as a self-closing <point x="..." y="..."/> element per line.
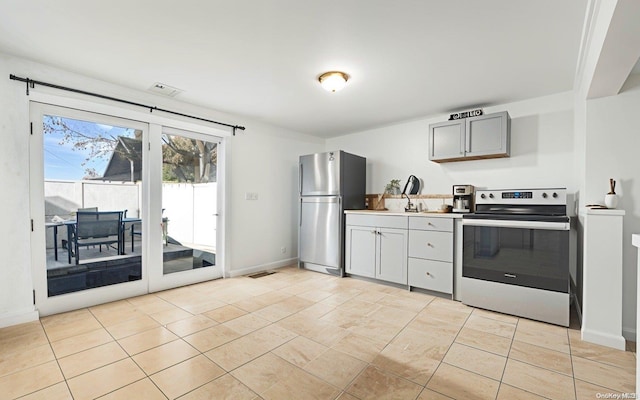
<point x="31" y="83"/>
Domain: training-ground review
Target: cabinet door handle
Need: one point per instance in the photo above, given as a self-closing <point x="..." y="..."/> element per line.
<point x="429" y="244"/>
<point x="467" y="136"/>
<point x="510" y="276"/>
<point x="428" y="274"/>
<point x="374" y="231"/>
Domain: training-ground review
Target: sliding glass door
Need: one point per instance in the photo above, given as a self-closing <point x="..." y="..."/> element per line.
<point x="120" y="207"/>
<point x="87" y="183"/>
<point x="190" y="189"/>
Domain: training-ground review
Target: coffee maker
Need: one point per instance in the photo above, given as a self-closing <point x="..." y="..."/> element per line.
<point x="463" y="199"/>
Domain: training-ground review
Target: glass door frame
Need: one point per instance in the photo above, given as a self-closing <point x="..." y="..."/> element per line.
<point x="70" y="301"/>
<point x="152" y="278"/>
<point x="157" y="279"/>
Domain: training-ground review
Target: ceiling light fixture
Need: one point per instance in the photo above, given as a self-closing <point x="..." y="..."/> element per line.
<point x="333" y="81"/>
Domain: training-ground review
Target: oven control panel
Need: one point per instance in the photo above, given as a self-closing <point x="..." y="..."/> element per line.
<point x="550" y="196"/>
<point x="517" y="195"/>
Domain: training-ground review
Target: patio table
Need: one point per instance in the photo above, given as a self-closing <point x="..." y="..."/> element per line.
<point x="55" y="226"/>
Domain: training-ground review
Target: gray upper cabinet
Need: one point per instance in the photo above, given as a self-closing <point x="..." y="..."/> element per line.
<point x="484" y="136"/>
<point x="446" y="140"/>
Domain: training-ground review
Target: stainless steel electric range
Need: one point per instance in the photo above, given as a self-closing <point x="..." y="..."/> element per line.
<point x="516" y="254"/>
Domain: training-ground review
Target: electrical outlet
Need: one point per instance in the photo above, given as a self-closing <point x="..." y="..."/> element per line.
<point x="251" y="196"/>
<point x="283" y="249"/>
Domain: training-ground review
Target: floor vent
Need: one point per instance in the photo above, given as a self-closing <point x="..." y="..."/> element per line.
<point x="261" y="274"/>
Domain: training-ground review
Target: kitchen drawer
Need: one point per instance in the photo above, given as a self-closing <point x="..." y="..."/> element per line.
<point x="431" y="224"/>
<point x="431" y="275"/>
<point x="379" y="221"/>
<point x="431" y="245"/>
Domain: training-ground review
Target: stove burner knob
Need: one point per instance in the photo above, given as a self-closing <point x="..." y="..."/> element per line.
<point x="555" y="195"/>
<point x="544" y="195"/>
<point x="483" y="196"/>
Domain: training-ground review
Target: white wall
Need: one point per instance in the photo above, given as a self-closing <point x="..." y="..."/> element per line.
<point x="542" y="147"/>
<point x="265" y="161"/>
<point x="612" y="144"/>
<point x="262" y="159"/>
<point x="15" y="268"/>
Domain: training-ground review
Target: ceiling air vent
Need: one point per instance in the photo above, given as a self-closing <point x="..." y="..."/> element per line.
<point x="164" y="90"/>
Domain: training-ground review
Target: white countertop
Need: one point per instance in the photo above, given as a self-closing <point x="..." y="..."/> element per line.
<point x="406" y="214"/>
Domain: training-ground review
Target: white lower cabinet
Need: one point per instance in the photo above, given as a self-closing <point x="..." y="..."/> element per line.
<point x="411" y="250"/>
<point x="376" y="247"/>
<point x="360" y="250"/>
<point x="430" y="263"/>
<point x="392" y="257"/>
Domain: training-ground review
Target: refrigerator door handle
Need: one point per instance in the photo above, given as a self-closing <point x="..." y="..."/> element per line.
<point x="300" y="179"/>
<point x="300" y="218"/>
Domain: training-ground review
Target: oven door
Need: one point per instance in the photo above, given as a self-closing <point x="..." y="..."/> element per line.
<point x="533" y="254"/>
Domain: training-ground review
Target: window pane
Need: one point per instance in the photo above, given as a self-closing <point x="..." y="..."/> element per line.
<point x="189" y="196"/>
<point x="92" y="194"/>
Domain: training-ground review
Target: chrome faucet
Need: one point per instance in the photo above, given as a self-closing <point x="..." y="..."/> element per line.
<point x="414" y="189"/>
<point x="410" y="206"/>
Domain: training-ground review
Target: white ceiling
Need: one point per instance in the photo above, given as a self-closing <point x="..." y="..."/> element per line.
<point x="261" y="58"/>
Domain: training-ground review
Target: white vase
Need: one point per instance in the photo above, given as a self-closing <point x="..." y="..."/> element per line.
<point x="611" y="200"/>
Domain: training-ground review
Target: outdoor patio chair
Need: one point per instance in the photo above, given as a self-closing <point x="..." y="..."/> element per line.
<point x="97" y="228"/>
<point x="68" y="246"/>
<point x="90" y="209"/>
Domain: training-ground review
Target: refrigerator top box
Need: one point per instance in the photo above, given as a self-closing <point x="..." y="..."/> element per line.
<point x="332" y="173"/>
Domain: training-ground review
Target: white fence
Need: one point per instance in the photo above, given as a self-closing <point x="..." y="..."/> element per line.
<point x="63" y="198"/>
<point x="190" y="208"/>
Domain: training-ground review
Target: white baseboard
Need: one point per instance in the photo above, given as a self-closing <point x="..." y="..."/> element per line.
<point x="262" y="267"/>
<point x="628" y="333"/>
<point x="10" y="319"/>
<point x="604" y="339"/>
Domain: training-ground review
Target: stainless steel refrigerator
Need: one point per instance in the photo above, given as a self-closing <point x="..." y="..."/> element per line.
<point x="329" y="183"/>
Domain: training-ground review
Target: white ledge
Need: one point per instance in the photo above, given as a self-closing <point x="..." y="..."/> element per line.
<point x="609" y="211"/>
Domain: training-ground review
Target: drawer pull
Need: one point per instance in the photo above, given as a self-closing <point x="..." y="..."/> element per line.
<point x="429" y="244"/>
<point x="428" y="274"/>
<point x="510" y="276"/>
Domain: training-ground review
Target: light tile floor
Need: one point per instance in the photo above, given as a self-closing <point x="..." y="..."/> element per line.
<point x="301" y="335"/>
